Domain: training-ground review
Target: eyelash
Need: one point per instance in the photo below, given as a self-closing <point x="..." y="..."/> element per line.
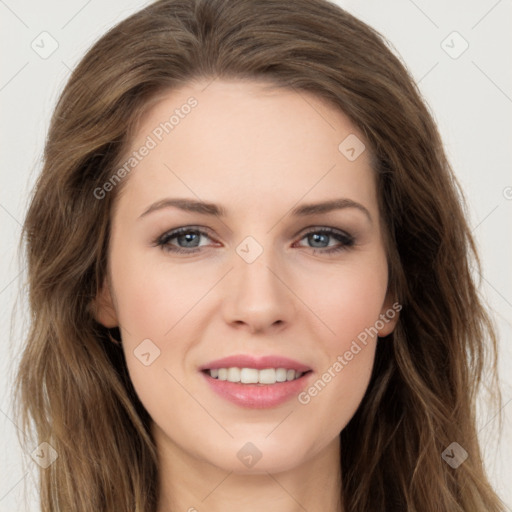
<point x="347" y="241"/>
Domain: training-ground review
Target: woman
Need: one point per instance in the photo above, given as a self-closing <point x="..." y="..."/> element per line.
<point x="250" y="275"/>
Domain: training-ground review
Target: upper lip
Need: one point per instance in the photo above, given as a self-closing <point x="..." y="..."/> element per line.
<point x="257" y="362"/>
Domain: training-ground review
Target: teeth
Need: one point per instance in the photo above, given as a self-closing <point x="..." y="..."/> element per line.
<point x="267" y="376"/>
<point x="254" y="376"/>
<point x="248" y="376"/>
<point x="281" y="374"/>
<point x="233" y="374"/>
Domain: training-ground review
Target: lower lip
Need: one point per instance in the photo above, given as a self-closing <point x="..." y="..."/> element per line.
<point x="257" y="396"/>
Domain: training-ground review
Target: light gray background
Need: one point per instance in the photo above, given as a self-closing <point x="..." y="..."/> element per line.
<point x="470" y="96"/>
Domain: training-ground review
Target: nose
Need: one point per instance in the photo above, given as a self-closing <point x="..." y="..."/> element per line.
<point x="256" y="297"/>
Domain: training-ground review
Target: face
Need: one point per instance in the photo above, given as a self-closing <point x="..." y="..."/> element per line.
<point x="246" y="231"/>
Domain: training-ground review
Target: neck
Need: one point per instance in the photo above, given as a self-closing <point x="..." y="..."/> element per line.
<point x="191" y="485"/>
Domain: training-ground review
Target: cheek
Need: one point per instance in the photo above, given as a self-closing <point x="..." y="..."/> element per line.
<point x="157" y="308"/>
<point x="349" y="306"/>
<point x="151" y="299"/>
<point x="349" y="300"/>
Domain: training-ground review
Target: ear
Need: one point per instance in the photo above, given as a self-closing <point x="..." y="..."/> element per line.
<point x="103" y="307"/>
<point x="389" y="316"/>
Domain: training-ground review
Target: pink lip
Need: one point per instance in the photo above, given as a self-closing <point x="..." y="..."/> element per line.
<point x="257" y="396"/>
<point x="260" y="363"/>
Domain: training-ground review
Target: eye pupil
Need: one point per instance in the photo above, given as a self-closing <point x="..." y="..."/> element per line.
<point x="319" y="238"/>
<point x="189" y="239"/>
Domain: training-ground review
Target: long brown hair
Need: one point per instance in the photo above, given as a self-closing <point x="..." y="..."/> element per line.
<point x="73" y="387"/>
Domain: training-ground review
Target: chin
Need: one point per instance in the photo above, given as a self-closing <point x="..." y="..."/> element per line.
<point x="258" y="456"/>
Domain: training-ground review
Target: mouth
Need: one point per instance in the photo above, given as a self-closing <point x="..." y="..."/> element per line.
<point x="256" y="383"/>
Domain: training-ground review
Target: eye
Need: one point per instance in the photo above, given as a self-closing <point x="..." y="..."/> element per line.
<point x="182" y="240"/>
<point x="328" y="240"/>
<point x="187" y="240"/>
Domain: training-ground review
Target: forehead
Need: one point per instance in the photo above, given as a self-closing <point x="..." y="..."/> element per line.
<point x="243" y="143"/>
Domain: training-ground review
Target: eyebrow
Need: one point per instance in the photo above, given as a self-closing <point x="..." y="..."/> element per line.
<point x="205" y="208"/>
<point x="329" y="206"/>
<point x="188" y="205"/>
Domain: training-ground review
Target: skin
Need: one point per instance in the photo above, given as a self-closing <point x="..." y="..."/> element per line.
<point x="258" y="152"/>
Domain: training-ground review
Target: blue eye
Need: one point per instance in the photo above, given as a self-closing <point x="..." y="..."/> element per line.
<point x="187" y="240"/>
<point x="321" y="238"/>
